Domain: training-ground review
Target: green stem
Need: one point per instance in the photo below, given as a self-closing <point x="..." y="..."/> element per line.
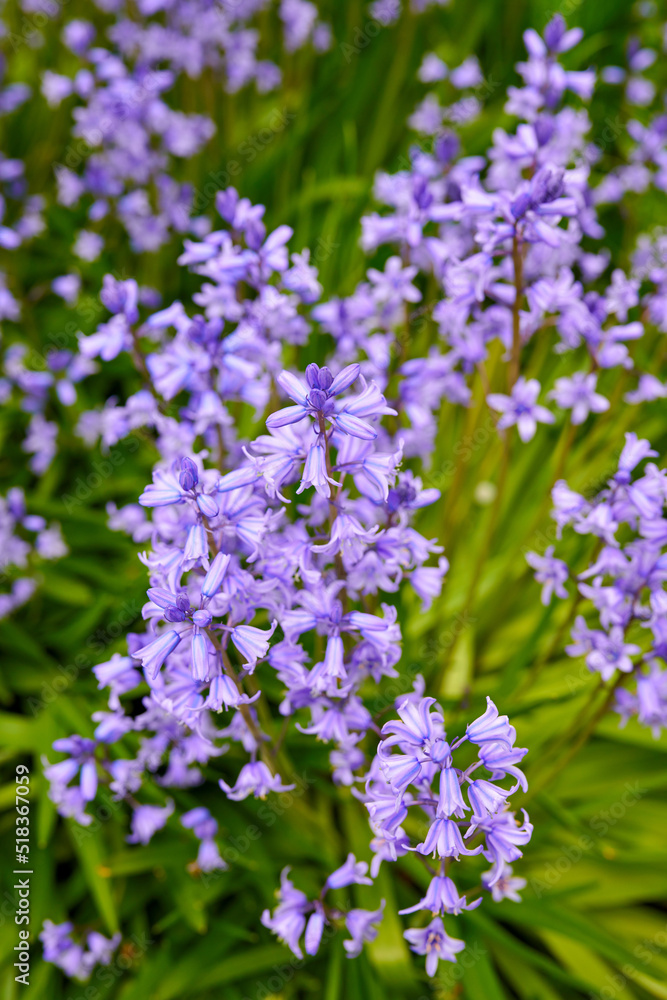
<point x="514" y="368"/>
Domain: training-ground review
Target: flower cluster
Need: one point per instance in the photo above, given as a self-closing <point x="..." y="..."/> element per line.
<point x="281" y="526"/>
<point x="399" y="781"/>
<point x="19" y="553"/>
<point x="76" y="959"/>
<point x="126" y="134"/>
<point x="624" y="582"/>
<point x="288" y="920"/>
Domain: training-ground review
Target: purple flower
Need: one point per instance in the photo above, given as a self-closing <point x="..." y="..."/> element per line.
<point x="254" y="779"/>
<point x="442" y="897"/>
<point x="503" y="835"/>
<point x="288" y="920"/>
<point x="577" y="393"/>
<point x="76" y="960"/>
<point x="444" y="841"/>
<point x="223" y="691"/>
<point x="612" y="653"/>
<point x="314" y="930"/>
<point x="353" y="872"/>
<point x="317" y="399"/>
<point x="147" y="820"/>
<point x="491" y="727"/>
<point x="551" y="572"/>
<point x="521" y="408"/>
<point x="435" y="943"/>
<point x="432" y="69"/>
<point x="153" y="655"/>
<point x="502" y="883"/>
<point x="360" y="925"/>
<point x="252" y="643"/>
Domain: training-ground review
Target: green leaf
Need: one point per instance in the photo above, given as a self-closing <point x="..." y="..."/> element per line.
<point x="88" y="846"/>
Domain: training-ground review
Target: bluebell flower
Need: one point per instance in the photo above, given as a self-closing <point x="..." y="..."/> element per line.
<point x="503" y="834"/>
<point x="485" y="797"/>
<point x="315" y="397"/>
<point x="502" y="884"/>
<point x="216" y="574"/>
<point x="435" y="943"/>
<point x="147" y="820"/>
<point x="77" y="960"/>
<point x="551" y="572"/>
<point x="254" y="779"/>
<point x="153" y="654"/>
<point x="204" y="827"/>
<point x="353" y="872"/>
<point x="501" y="759"/>
<point x="80" y="760"/>
<point x="442" y="897"/>
<point x="251" y="642"/>
<point x="521" y="408"/>
<point x="119" y="675"/>
<point x="223" y="691"/>
<point x="612" y="653"/>
<point x="491" y="727"/>
<point x="362" y="926"/>
<point x="450" y="800"/>
<point x="314" y="930"/>
<point x="577" y="393"/>
<point x="444" y="840"/>
<point x="288" y="920"/>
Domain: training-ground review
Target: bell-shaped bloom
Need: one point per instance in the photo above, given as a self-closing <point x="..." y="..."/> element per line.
<point x="491" y="727"/>
<point x="444" y="840"/>
<point x="353" y="872"/>
<point x="200" y="656"/>
<point x="153" y="655"/>
<point x="362" y="925"/>
<point x="314" y="929"/>
<point x="502" y="760"/>
<point x="400" y="770"/>
<point x="450" y="800"/>
<point x="196" y="546"/>
<point x="485" y="797"/>
<point x="223" y="691"/>
<point x="288" y="920"/>
<point x="216" y="574"/>
<point x="315" y="471"/>
<point x="252" y="643"/>
<point x="441" y="897"/>
<point x="504" y="835"/>
<point x="254" y="779"/>
<point x="435" y="943"/>
<point x="521" y="408"/>
<point x="147" y="820"/>
<point x="208" y="857"/>
<point x="417" y="726"/>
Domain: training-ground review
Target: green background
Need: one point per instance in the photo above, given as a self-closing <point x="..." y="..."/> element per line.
<point x="593" y="917"/>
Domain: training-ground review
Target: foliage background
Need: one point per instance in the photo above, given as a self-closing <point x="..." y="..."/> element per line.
<point x="593" y="921"/>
